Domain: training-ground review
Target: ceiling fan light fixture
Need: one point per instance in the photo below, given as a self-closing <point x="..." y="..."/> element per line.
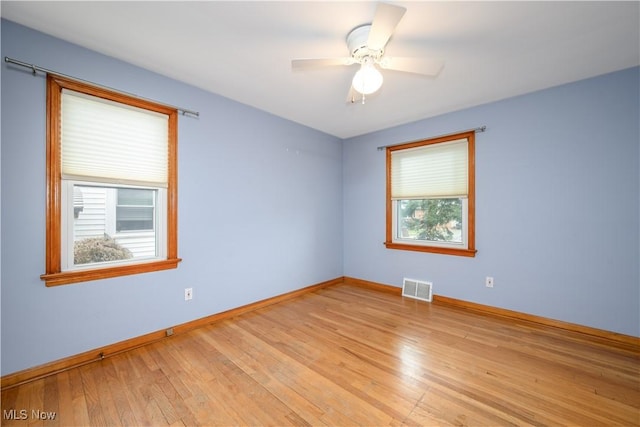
<point x="368" y="79"/>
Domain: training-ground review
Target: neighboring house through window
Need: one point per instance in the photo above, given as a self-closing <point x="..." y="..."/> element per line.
<point x="135" y="210"/>
<point x="111" y="181"/>
<point x="431" y="195"/>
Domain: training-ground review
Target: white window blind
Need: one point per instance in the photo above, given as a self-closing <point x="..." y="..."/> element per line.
<point x="106" y="141"/>
<point x="430" y="171"/>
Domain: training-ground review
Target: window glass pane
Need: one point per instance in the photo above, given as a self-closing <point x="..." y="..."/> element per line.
<point x="135" y="197"/>
<point x="99" y="220"/>
<point x="135" y="209"/>
<point x="432" y="220"/>
<point x="131" y="218"/>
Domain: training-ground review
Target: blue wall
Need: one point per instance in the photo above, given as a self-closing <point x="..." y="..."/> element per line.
<point x="557" y="195"/>
<point x="260" y="211"/>
<point x="267" y="206"/>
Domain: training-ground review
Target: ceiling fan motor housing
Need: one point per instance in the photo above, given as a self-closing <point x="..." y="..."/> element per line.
<point x="357" y="44"/>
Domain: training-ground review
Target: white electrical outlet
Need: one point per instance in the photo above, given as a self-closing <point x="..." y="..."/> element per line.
<point x="188" y="294"/>
<point x="488" y="282"/>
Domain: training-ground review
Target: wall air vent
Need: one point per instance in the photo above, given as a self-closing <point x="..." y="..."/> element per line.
<point x="417" y="289"/>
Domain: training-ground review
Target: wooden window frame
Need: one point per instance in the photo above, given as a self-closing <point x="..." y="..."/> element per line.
<point x="470" y="250"/>
<point x="54" y="275"/>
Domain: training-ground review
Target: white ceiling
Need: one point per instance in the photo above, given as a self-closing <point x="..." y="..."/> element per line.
<point x="243" y="50"/>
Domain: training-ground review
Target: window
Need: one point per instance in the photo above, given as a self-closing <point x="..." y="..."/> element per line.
<point x="135" y="210"/>
<point x="111" y="184"/>
<point x="431" y="195"/>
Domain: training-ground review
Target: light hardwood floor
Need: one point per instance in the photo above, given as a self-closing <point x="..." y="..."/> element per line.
<point x="347" y="355"/>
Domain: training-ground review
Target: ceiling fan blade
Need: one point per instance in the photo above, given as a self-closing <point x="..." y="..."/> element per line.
<point x="304" y="64"/>
<point x="384" y="23"/>
<point x="425" y="66"/>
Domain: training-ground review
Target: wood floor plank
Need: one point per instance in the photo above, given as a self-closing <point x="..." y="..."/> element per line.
<point x="51" y="402"/>
<point x="36" y="403"/>
<point x="125" y="413"/>
<point x="99" y="413"/>
<point x="347" y="371"/>
<point x="268" y="380"/>
<point x="311" y="387"/>
<point x="128" y="383"/>
<point x="65" y="403"/>
<point x="348" y="355"/>
<point x="19" y="408"/>
<point x="79" y="402"/>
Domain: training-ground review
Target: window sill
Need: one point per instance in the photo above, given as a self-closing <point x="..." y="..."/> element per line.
<point x="68" y="277"/>
<point x="432" y="249"/>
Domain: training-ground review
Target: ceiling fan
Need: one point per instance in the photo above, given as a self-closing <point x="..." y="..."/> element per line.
<point x="366" y="44"/>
